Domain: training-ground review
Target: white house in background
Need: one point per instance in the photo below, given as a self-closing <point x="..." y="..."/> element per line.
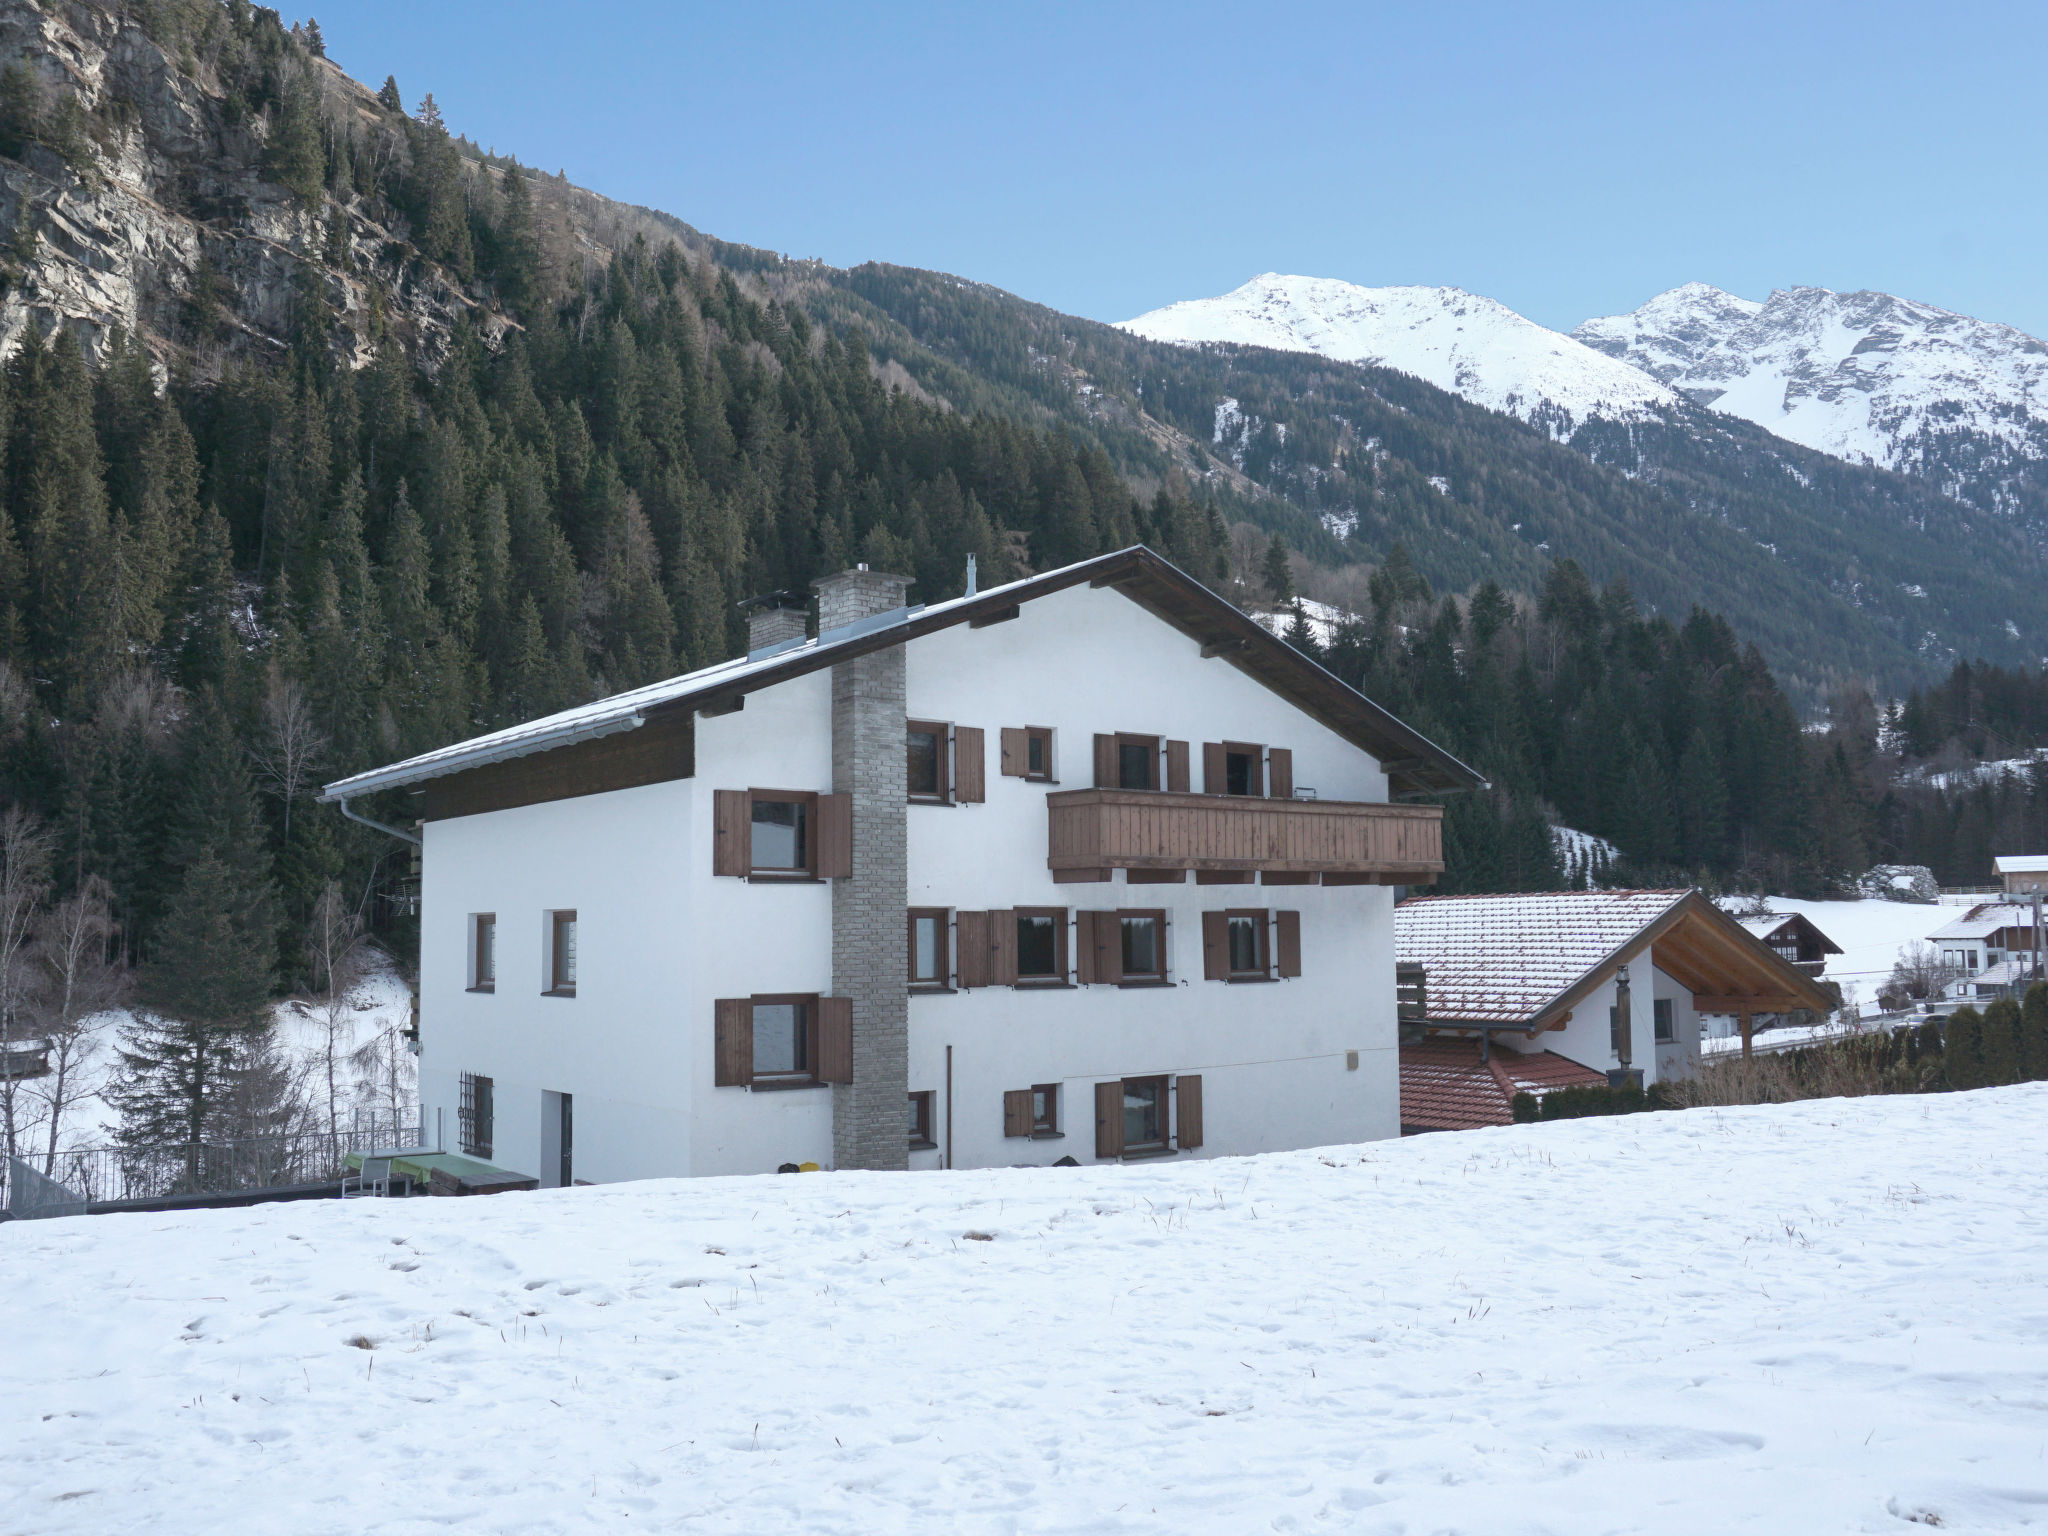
<point x="1531" y="985"/>
<point x="2022" y="873"/>
<point x="1089" y="864"/>
<point x="1988" y="948"/>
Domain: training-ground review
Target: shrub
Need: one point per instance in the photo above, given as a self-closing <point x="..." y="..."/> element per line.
<point x="1526" y="1108"/>
<point x="1962" y="1051"/>
<point x="2034" y="1034"/>
<point x="1577" y="1103"/>
<point x="2001" y="1035"/>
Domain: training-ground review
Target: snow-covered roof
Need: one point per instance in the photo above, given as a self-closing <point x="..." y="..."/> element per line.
<point x="1140" y="574"/>
<point x="1523" y="961"/>
<point x="1766" y="924"/>
<point x="2022" y="863"/>
<point x="1980" y="922"/>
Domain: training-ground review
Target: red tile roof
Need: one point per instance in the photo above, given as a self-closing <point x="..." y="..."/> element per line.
<point x="1446" y="1087"/>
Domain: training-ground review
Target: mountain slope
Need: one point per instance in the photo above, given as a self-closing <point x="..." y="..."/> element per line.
<point x="1473" y="346"/>
<point x="1865" y="376"/>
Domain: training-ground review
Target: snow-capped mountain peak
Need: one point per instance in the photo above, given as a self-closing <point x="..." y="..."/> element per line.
<point x="1459" y="341"/>
<point x="1864" y="376"/>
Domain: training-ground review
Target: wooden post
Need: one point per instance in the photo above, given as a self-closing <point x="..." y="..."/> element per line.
<point x="1743" y="1014"/>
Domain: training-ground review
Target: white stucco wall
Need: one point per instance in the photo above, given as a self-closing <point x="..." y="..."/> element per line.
<point x="661" y="938"/>
<point x="1588" y="1040"/>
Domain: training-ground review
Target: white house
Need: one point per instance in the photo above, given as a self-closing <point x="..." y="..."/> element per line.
<point x="2022" y="873"/>
<point x="1089" y="864"/>
<point x="1988" y="949"/>
<point x="1551" y="989"/>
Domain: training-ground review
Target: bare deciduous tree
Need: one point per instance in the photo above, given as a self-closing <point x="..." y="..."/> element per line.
<point x="336" y="956"/>
<point x="78" y="979"/>
<point x="292" y="747"/>
<point x="1920" y="974"/>
<point x="25" y="849"/>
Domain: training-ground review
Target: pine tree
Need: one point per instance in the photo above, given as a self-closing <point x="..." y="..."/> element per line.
<point x="1276" y="573"/>
<point x="2034" y="1034"/>
<point x="1962" y="1049"/>
<point x="294" y="157"/>
<point x="2001" y="1043"/>
<point x="388" y="97"/>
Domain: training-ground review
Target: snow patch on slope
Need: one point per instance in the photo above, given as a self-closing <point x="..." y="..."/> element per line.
<point x="1459" y="341"/>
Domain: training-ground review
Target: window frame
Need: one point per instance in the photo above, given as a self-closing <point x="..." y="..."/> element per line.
<point x="475" y="1115"/>
<point x="1153" y="747"/>
<point x="942" y="732"/>
<point x="1061" y="957"/>
<point x="1663" y="1021"/>
<point x="1165" y="1141"/>
<point x="808" y="799"/>
<point x="557" y="919"/>
<point x="941" y="918"/>
<point x="1256" y="752"/>
<point x="1262" y="923"/>
<point x="1049" y="1127"/>
<point x="479" y="980"/>
<point x="1158" y="978"/>
<point x="761" y="1081"/>
<point x="1039" y="735"/>
<point x="921" y="1137"/>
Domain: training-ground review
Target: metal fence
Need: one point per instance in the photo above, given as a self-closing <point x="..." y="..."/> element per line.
<point x="100" y="1175"/>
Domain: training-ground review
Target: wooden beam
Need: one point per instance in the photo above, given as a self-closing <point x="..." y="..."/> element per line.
<point x="1217" y="648"/>
<point x="664" y="748"/>
<point x="723" y="704"/>
<point x="1113" y="579"/>
<point x="1000" y="616"/>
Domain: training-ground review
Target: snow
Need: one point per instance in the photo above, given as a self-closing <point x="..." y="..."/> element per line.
<point x="1862" y="376"/>
<point x="1459" y="341"/>
<point x="1323" y="620"/>
<point x="1871" y="933"/>
<point x="1811" y="1317"/>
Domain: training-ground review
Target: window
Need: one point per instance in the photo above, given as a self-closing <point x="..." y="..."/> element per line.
<point x="474" y="1112"/>
<point x="928" y="958"/>
<point x="1247" y="943"/>
<point x="1661" y="1012"/>
<point x="925" y="756"/>
<point x="1137" y="762"/>
<point x="782" y="832"/>
<point x="1144" y="1113"/>
<point x="1144" y="946"/>
<point x="483" y="952"/>
<point x="1038" y="753"/>
<point x="1243" y="769"/>
<point x="782" y="1039"/>
<point x="1045" y="1109"/>
<point x="561" y="971"/>
<point x="1041" y="944"/>
<point x="921" y="1122"/>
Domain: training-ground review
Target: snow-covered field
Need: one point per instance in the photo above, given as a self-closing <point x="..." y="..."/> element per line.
<point x="1811" y="1318"/>
<point x="1870" y="932"/>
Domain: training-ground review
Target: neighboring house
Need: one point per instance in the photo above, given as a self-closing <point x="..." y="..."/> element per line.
<point x="1451" y="1084"/>
<point x="1533" y="982"/>
<point x="1988" y="949"/>
<point x="2022" y="873"/>
<point x="1983" y="941"/>
<point x="1089" y="864"/>
<point x="1795" y="937"/>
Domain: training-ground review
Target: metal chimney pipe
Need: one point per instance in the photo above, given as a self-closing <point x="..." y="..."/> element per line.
<point x="1624" y="1030"/>
<point x="972" y="587"/>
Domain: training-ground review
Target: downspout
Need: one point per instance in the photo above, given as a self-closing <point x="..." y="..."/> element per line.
<point x="383" y="827"/>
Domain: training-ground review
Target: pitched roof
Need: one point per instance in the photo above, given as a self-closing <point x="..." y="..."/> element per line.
<point x="1768" y="923"/>
<point x="1445" y="1086"/>
<point x="1985" y="919"/>
<point x="1524" y="961"/>
<point x="2022" y="863"/>
<point x="1413" y="763"/>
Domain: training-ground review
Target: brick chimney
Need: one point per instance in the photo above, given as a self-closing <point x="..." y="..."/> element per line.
<point x="869" y="963"/>
<point x="775" y="617"/>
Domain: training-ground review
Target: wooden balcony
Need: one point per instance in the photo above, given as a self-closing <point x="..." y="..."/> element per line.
<point x="1093" y="831"/>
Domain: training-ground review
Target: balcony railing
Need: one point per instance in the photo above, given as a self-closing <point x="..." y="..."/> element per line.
<point x="1097" y="830"/>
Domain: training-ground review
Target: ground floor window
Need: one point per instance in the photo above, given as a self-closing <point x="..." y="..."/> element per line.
<point x="1144" y="1113"/>
<point x="1045" y="1109"/>
<point x="921" y="1121"/>
<point x="782" y="1039"/>
<point x="1662" y="1011"/>
<point x="474" y="1113"/>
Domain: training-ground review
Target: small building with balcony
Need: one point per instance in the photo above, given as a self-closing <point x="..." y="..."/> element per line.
<point x="1087" y="866"/>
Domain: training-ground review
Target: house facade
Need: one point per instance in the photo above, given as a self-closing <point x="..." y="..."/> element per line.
<point x="1088" y="865"/>
<point x="1988" y="950"/>
<point x="2022" y="874"/>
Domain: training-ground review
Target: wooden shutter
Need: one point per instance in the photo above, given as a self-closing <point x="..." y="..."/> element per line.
<point x="1177" y="767"/>
<point x="1287" y="927"/>
<point x="1084" y="938"/>
<point x="1002" y="948"/>
<point x="1215" y="946"/>
<point x="1105" y="761"/>
<point x="1109" y="947"/>
<point x="1016" y="752"/>
<point x="970" y="944"/>
<point x="970" y="765"/>
<point x="1279" y="773"/>
<point x="835" y="1039"/>
<point x="733" y="1042"/>
<point x="1017" y="1112"/>
<point x="1187" y="1091"/>
<point x="732" y="832"/>
<point x="835" y="837"/>
<point x="1215" y="768"/>
<point x="1109" y="1119"/>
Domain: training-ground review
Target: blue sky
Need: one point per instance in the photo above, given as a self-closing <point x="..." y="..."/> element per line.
<point x="1569" y="160"/>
